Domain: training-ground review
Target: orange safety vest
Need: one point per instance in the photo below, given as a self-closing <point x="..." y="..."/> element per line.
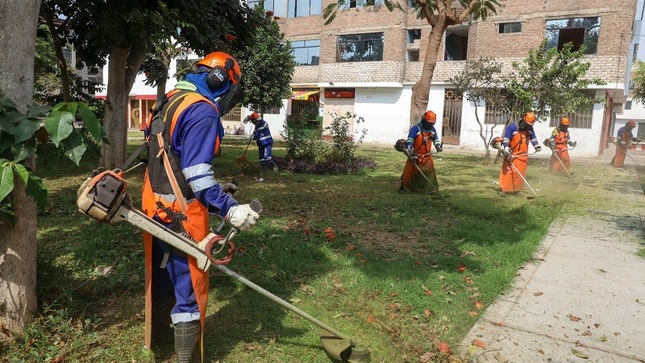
<point x="196" y="223"/>
<point x="509" y="180"/>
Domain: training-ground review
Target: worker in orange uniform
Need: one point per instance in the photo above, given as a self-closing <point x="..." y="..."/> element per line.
<point x="419" y="173"/>
<point x="559" y="143"/>
<point x="180" y="191"/>
<point x="623" y="142"/>
<point x="515" y="147"/>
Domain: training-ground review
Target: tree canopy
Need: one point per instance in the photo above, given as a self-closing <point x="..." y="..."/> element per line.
<point x="267" y="64"/>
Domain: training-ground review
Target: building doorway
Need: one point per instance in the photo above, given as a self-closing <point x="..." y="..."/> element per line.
<point x="451" y="120"/>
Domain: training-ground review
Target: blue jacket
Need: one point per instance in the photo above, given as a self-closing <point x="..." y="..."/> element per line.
<point x="262" y="133"/>
<point x="194" y="139"/>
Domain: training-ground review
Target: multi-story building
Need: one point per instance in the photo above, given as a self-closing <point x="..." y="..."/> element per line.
<point x="368" y="58"/>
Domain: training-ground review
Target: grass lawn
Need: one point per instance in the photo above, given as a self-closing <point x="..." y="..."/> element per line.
<point x="401" y="272"/>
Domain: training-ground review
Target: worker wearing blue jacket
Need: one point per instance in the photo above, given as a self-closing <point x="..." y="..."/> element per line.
<point x="180" y="191"/>
<point x="262" y="137"/>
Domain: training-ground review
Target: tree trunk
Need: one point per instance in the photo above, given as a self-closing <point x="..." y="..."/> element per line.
<point x="421" y="89"/>
<point x="18" y="22"/>
<point x="60" y="57"/>
<point x="123" y="66"/>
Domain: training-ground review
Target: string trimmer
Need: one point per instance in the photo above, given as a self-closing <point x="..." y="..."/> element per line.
<point x="547" y="143"/>
<point x="510" y="161"/>
<point x="103" y="198"/>
<point x="241" y="161"/>
<point x="615" y="142"/>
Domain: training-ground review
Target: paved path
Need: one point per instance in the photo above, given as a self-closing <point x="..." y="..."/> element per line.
<point x="583" y="300"/>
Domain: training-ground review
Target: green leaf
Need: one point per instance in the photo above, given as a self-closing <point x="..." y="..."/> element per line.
<point x="36" y="190"/>
<point x="91" y="122"/>
<point x="6" y="180"/>
<point x="23" y="173"/>
<point x="38" y="111"/>
<point x="6" y="123"/>
<point x="26" y="129"/>
<point x="579" y="354"/>
<point x="6" y="141"/>
<point x="59" y="125"/>
<point x="22" y="150"/>
<point x="74" y="148"/>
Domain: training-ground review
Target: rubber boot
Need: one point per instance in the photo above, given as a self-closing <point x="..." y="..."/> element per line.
<point x="186" y="338"/>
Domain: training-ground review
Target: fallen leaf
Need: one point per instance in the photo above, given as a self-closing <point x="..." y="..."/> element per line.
<point x="371" y="319"/>
<point x="479" y="343"/>
<point x="479" y="304"/>
<point x="603" y="338"/>
<point x="573" y="317"/>
<point x="350" y="247"/>
<point x="443" y="347"/>
<point x="428" y="313"/>
<point x="538" y="293"/>
<point x="426" y="291"/>
<point x="473" y="313"/>
<point x="461" y="268"/>
<point x="501" y="359"/>
<point x="579" y="354"/>
<point x="603" y="271"/>
<point x="307" y="231"/>
<point x="295" y="301"/>
<point x="468" y="280"/>
<point x="392" y="316"/>
<point x="540" y="351"/>
<point x="328" y="230"/>
<point x="419" y="262"/>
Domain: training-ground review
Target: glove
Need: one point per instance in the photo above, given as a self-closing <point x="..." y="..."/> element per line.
<point x="547" y="142"/>
<point x="572" y="143"/>
<point x="409" y="150"/>
<point x="538" y="148"/>
<point x="242" y="216"/>
<point x="506" y="151"/>
<point x="439" y="146"/>
<point x="229" y="188"/>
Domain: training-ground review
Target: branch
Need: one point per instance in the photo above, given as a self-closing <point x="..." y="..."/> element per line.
<point x="468" y="10"/>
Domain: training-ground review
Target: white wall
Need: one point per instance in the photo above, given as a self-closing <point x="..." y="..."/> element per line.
<point x="385" y="111"/>
<point x="139" y="88"/>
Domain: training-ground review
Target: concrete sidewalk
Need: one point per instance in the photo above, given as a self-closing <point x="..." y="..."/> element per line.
<point x="583" y="300"/>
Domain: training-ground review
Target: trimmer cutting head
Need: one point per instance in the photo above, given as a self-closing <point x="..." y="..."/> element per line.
<point x="344" y="350"/>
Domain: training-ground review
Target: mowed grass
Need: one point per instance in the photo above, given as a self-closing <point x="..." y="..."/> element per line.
<point x="399" y="273"/>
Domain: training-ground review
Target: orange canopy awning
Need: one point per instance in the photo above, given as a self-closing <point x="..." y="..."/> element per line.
<point x="303" y="95"/>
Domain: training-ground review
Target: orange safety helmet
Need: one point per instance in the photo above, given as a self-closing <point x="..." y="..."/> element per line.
<point x="631" y="124"/>
<point x="430" y="116"/>
<point x="529" y="118"/>
<point x="565" y="121"/>
<point x="255" y="116"/>
<point x="223" y="68"/>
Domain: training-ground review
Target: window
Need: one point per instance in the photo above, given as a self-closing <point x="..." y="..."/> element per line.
<point x="278" y="7"/>
<point x="456" y="43"/>
<point x="577" y="31"/>
<point x="412" y="54"/>
<point x="510" y="28"/>
<point x="359" y="47"/>
<point x="306" y="52"/>
<point x="299" y="8"/>
<point x="628" y="105"/>
<point x="581" y="119"/>
<point x="350" y="4"/>
<point x="635" y="54"/>
<point x="503" y="111"/>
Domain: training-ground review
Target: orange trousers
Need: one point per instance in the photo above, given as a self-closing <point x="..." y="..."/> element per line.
<point x="509" y="178"/>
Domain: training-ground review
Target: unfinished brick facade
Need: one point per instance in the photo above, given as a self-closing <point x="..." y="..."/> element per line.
<point x="484" y="40"/>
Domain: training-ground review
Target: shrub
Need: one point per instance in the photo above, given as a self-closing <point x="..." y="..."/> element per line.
<point x="328" y="151"/>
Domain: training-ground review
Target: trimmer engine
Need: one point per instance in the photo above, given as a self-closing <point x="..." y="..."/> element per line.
<point x="102" y="195"/>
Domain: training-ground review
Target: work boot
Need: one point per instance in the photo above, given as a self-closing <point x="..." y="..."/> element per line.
<point x="186" y="338"/>
<point x="501" y="193"/>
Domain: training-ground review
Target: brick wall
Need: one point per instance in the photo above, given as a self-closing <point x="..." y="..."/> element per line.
<point x="484" y="41"/>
